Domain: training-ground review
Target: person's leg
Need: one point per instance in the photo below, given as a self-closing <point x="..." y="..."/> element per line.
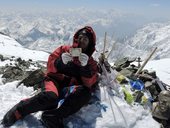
<point x="73" y="103"/>
<point x="42" y="101"/>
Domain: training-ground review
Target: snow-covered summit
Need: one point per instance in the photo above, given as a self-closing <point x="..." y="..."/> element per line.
<point x="162" y="68"/>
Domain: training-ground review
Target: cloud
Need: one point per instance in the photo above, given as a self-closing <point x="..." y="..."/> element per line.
<point x="155" y="5"/>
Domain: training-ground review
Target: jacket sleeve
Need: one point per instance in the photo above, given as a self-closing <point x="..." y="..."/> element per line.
<point x="51" y="69"/>
<point x="89" y="73"/>
<point x="55" y="55"/>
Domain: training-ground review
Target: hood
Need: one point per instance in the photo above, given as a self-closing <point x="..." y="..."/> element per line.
<point x="92" y="43"/>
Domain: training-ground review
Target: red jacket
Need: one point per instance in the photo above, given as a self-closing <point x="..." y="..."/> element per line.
<point x="56" y="71"/>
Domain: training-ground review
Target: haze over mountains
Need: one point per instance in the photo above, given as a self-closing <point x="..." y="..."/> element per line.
<point x="130" y="33"/>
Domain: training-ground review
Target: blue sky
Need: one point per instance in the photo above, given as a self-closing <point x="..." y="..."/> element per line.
<point x="87" y="3"/>
<point x="153" y="7"/>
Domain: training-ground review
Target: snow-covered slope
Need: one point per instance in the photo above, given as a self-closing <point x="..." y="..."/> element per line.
<point x="162" y="68"/>
<point x="10" y="47"/>
<point x="91" y="116"/>
<point x="95" y="115"/>
<point x="153" y="35"/>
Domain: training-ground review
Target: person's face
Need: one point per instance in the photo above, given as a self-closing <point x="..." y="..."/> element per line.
<point x="83" y="41"/>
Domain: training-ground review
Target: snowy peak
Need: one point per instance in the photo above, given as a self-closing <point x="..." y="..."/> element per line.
<point x="153" y="35"/>
<point x="10" y="47"/>
<point x="7" y="41"/>
<point x="59" y="26"/>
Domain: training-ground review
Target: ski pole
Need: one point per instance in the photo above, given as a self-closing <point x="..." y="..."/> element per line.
<point x="145" y="62"/>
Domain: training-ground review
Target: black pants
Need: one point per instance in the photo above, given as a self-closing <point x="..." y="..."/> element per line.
<point x="72" y="104"/>
<point x="42" y="101"/>
<point x="49" y="101"/>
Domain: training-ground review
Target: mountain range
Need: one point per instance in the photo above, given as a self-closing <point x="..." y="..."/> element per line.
<point x="45" y="31"/>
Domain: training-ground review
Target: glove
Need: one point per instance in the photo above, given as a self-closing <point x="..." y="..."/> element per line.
<point x="66" y="57"/>
<point x="107" y="65"/>
<point x="101" y="58"/>
<point x="83" y="58"/>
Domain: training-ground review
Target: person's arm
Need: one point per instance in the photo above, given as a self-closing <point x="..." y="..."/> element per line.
<point x="55" y="55"/>
<point x="52" y="71"/>
<point x="55" y="64"/>
<point x="89" y="73"/>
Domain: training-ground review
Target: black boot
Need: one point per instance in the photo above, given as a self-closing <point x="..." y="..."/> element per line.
<point x="11" y="117"/>
<point x="40" y="102"/>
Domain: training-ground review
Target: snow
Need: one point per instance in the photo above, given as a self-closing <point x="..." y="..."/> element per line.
<point x="153" y="35"/>
<point x="9" y="96"/>
<point x="162" y="68"/>
<point x="10" y="47"/>
<point x="56" y="24"/>
<point x="46" y="31"/>
<point x="93" y="115"/>
<point x="89" y="116"/>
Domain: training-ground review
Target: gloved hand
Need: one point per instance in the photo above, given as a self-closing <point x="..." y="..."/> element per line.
<point x="107" y="65"/>
<point x="103" y="60"/>
<point x="83" y="58"/>
<point x="66" y="57"/>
